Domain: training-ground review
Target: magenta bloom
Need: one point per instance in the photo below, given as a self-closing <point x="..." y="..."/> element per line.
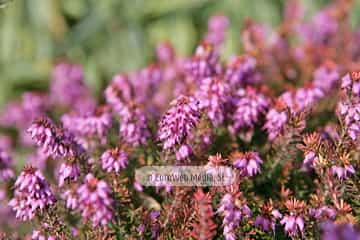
<point x="293" y="224"/>
<point x="68" y="171"/>
<point x="326" y="77"/>
<point x="249" y="163"/>
<point x="302" y="98"/>
<point x="241" y="71"/>
<point x="165" y="52"/>
<point x="92" y="124"/>
<point x="113" y="160"/>
<point x="249" y="105"/>
<point x="323" y="213"/>
<point x="351" y="114"/>
<point x="133" y="125"/>
<point x="119" y="92"/>
<point x="53" y="140"/>
<point x="6" y="170"/>
<point x="350" y="85"/>
<point x="309" y="160"/>
<point x="95" y="201"/>
<point x="275" y="123"/>
<point x="68" y="87"/>
<point x="232" y="215"/>
<point x="217" y="26"/>
<point x="213" y="95"/>
<point x="37" y="235"/>
<point x="267" y="223"/>
<point x="343" y="172"/>
<point x="32" y="193"/>
<point x="183" y="152"/>
<point x="203" y="64"/>
<point x="178" y="122"/>
<point x="70" y="197"/>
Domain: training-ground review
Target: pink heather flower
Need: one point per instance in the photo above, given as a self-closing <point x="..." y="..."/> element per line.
<point x="335" y="231"/>
<point x="178" y="122"/>
<point x="6" y="170"/>
<point x="217" y="26"/>
<point x="351" y="114"/>
<point x="351" y="86"/>
<point x="326" y="76"/>
<point x="119" y="92"/>
<point x="250" y="106"/>
<point x="146" y="81"/>
<point x="321" y="29"/>
<point x="275" y="123"/>
<point x="309" y="160"/>
<point x="37" y="235"/>
<point x="53" y="140"/>
<point x="203" y="64"/>
<point x="183" y="152"/>
<point x="343" y="172"/>
<point x="241" y="71"/>
<point x="113" y="160"/>
<point x="68" y="171"/>
<point x="133" y="125"/>
<point x="212" y="95"/>
<point x="68" y="88"/>
<point x="293" y="224"/>
<point x="71" y="199"/>
<point x="232" y="214"/>
<point x="267" y="223"/>
<point x="249" y="163"/>
<point x="92" y="124"/>
<point x="32" y="193"/>
<point x="165" y="52"/>
<point x="302" y="98"/>
<point x="323" y="213"/>
<point x="95" y="201"/>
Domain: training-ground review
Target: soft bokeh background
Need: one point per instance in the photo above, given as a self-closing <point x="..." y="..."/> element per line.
<point x="108" y="36"/>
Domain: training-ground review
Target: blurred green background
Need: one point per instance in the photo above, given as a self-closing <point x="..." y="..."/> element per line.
<point x="108" y="36"/>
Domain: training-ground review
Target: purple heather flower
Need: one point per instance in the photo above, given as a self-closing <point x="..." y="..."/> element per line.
<point x="95" y="201"/>
<point x="334" y="231"/>
<point x="203" y="64"/>
<point x="183" y="152"/>
<point x="53" y="140"/>
<point x="275" y="123"/>
<point x="37" y="235"/>
<point x="293" y="224"/>
<point x="217" y="26"/>
<point x="351" y="114"/>
<point x="352" y="86"/>
<point x="249" y="163"/>
<point x="68" y="87"/>
<point x="71" y="199"/>
<point x="95" y="123"/>
<point x="68" y="171"/>
<point x="249" y="106"/>
<point x="326" y="76"/>
<point x="323" y="213"/>
<point x="232" y="214"/>
<point x="322" y="28"/>
<point x="32" y="193"/>
<point x="212" y="95"/>
<point x="165" y="52"/>
<point x="178" y="122"/>
<point x="241" y="71"/>
<point x="267" y="223"/>
<point x="133" y="125"/>
<point x="302" y="98"/>
<point x="309" y="160"/>
<point x="6" y="170"/>
<point x="113" y="160"/>
<point x="119" y="92"/>
<point x="343" y="172"/>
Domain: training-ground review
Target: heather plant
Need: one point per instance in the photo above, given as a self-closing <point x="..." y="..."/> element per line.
<point x="283" y="116"/>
